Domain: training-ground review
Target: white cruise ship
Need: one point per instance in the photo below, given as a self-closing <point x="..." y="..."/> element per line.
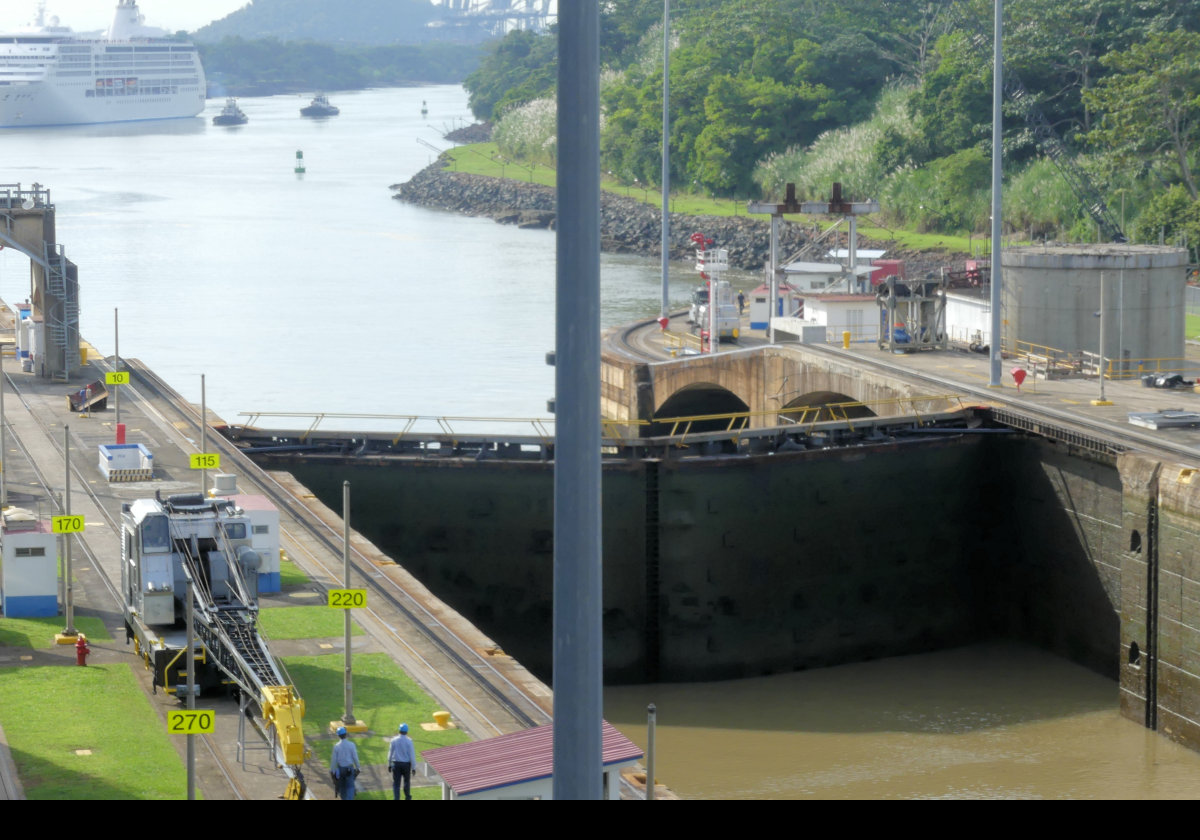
<point x="50" y="75"/>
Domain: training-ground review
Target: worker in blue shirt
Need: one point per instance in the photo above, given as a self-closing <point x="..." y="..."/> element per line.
<point x="402" y="755"/>
<point x="344" y="765"/>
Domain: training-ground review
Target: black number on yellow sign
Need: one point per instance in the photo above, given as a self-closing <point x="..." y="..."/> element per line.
<point x="345" y="599"/>
<point x="205" y="461"/>
<point x="116" y="377"/>
<point x="72" y="524"/>
<point x="191" y="722"/>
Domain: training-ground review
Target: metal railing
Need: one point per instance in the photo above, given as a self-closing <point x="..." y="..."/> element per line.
<point x="810" y="415"/>
<point x="1049" y="362"/>
<point x="411" y="424"/>
<point x="414" y="425"/>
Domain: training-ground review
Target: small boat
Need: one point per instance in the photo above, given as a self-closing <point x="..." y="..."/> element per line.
<point x="231" y="114"/>
<point x="319" y="107"/>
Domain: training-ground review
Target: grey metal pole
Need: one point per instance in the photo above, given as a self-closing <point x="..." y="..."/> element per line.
<point x="577" y="549"/>
<point x="189" y="612"/>
<point x="997" y="134"/>
<point x="651" y="720"/>
<point x="68" y="587"/>
<point x="774" y="282"/>
<point x="348" y="674"/>
<point x="117" y="365"/>
<point x="1103" y="319"/>
<point x="3" y="444"/>
<point x="203" y="437"/>
<point x="666" y="159"/>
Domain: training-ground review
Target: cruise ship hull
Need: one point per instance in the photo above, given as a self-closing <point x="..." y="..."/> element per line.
<point x="42" y="104"/>
<point x="50" y="76"/>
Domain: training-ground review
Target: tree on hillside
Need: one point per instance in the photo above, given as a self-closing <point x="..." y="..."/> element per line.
<point x="1150" y="104"/>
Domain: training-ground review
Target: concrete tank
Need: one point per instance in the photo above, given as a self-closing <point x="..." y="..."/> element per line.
<point x="1051" y="297"/>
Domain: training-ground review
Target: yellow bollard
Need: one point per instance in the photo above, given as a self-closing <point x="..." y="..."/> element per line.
<point x="846" y="340"/>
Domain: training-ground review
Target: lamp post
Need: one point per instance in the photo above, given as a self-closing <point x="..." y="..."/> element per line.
<point x="1101" y="314"/>
<point x="997" y="134"/>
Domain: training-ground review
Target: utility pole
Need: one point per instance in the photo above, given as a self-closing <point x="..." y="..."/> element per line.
<point x="997" y="136"/>
<point x="578" y="641"/>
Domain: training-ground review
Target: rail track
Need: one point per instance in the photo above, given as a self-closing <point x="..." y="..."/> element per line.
<point x="442" y="654"/>
<point x="213" y="754"/>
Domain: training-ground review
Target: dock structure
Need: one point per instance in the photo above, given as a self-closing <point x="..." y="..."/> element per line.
<point x="486" y="692"/>
<point x="27" y="224"/>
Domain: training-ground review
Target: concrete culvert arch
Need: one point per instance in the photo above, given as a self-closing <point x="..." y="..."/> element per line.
<point x="794" y="410"/>
<point x="700" y="399"/>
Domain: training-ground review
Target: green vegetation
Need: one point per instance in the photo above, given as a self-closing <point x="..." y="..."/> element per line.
<point x="485" y="159"/>
<point x="290" y="575"/>
<point x="237" y="66"/>
<point x="39" y="632"/>
<point x="1191" y="327"/>
<point x="98" y="708"/>
<point x="384" y="697"/>
<point x="894" y="101"/>
<point x="315" y="622"/>
<point x="357" y="22"/>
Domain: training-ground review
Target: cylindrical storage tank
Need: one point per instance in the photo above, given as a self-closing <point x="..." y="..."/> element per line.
<point x="1051" y="299"/>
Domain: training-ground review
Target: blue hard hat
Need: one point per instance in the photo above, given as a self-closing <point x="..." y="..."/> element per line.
<point x="404" y="727"/>
<point x="341" y="732"/>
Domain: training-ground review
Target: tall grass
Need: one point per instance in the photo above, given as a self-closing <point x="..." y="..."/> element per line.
<point x="529" y="132"/>
<point x="846" y="155"/>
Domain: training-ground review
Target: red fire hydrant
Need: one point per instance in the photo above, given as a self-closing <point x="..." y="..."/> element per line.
<point x="81" y="650"/>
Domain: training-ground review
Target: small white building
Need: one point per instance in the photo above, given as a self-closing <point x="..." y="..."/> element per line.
<point x="856" y="314"/>
<point x="787" y="301"/>
<point x="265" y="537"/>
<point x="520" y="765"/>
<point x="29" y="575"/>
<point x="969" y="317"/>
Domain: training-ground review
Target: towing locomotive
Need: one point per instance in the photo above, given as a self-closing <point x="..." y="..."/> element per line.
<point x="166" y="542"/>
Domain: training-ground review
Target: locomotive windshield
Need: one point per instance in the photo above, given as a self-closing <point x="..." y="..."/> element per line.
<point x="156" y="534"/>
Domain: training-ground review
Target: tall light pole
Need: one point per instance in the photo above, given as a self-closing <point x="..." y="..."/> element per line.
<point x="577" y="545"/>
<point x="666" y="159"/>
<point x="997" y="133"/>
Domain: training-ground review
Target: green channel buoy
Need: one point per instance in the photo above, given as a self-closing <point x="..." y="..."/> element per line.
<point x="299" y="170"/>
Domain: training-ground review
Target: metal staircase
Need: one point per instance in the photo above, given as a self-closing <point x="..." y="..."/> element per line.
<point x="62" y="307"/>
<point x="57" y="296"/>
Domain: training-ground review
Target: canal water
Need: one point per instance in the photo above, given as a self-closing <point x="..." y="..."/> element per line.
<point x="321" y="293"/>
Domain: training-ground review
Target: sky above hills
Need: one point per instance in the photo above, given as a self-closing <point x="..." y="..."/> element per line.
<point x="86" y="15"/>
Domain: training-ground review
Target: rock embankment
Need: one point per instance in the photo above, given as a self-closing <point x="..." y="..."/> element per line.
<point x="626" y="225"/>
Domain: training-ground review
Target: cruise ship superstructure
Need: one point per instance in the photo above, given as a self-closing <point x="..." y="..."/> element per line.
<point x="50" y="75"/>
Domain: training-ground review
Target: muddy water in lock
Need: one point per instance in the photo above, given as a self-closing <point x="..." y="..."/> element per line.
<point x="985" y="721"/>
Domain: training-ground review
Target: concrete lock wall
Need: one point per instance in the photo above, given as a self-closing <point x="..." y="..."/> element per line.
<point x="1160" y="605"/>
<point x="1051" y="297"/>
<point x="755" y="565"/>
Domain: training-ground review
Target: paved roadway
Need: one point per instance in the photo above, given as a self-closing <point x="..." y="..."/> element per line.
<point x="443" y="653"/>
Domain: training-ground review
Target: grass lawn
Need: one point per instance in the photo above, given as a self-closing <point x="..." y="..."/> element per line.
<point x="418" y="793"/>
<point x="98" y="708"/>
<point x="485" y="159"/>
<point x="384" y="697"/>
<point x="1191" y="328"/>
<point x="304" y="623"/>
<point x="39" y="632"/>
<point x="290" y="575"/>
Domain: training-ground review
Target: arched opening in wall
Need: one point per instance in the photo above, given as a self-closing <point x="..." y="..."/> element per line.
<point x="702" y="399"/>
<point x="818" y="406"/>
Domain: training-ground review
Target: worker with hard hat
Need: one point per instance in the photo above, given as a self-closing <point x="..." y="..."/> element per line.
<point x="402" y="755"/>
<point x="343" y="766"/>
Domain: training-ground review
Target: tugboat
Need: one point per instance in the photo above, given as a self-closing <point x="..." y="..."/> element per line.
<point x="231" y="114"/>
<point x="319" y="107"/>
